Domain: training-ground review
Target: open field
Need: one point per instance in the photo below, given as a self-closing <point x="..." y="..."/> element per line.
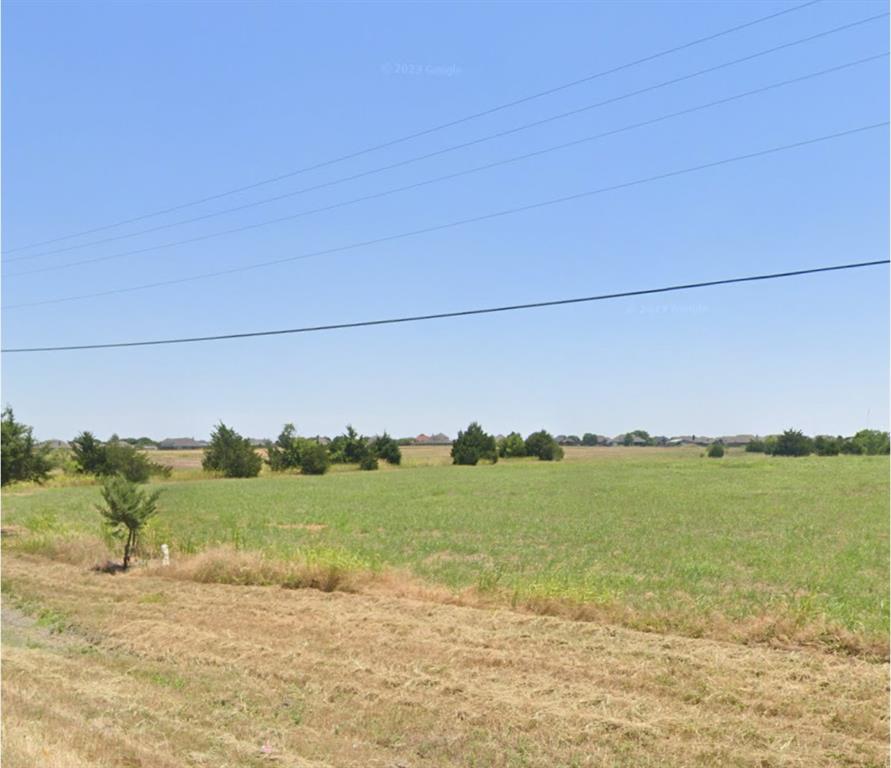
<point x="106" y="671"/>
<point x="749" y="547"/>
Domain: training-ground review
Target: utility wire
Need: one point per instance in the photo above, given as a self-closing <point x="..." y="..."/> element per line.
<point x="432" y="129"/>
<point x="460" y="313"/>
<point x="462" y="145"/>
<point x="457" y="174"/>
<point x="458" y="222"/>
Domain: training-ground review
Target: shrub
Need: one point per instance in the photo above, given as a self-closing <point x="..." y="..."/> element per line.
<point x="368" y="462"/>
<point x="589" y="438"/>
<point x="386" y="448"/>
<point x="716" y="451"/>
<point x="92" y="457"/>
<point x="848" y="446"/>
<point x="20" y="457"/>
<point x="126" y="511"/>
<point x="231" y="454"/>
<point x="543" y="445"/>
<point x="512" y="446"/>
<point x="472" y="445"/>
<point x="871" y="441"/>
<point x="349" y="448"/>
<point x="755" y="446"/>
<point x="793" y="442"/>
<point x="314" y="458"/>
<point x="284" y="453"/>
<point x="827" y="446"/>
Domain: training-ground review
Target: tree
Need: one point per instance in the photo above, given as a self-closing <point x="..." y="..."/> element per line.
<point x="89" y="454"/>
<point x="285" y="452"/>
<point x="231" y="454"/>
<point x="20" y="457"/>
<point x="92" y="457"/>
<point x="386" y="448"/>
<point x="126" y="511"/>
<point x="589" y="438"/>
<point x="368" y="462"/>
<point x="349" y="448"/>
<point x="472" y="445"/>
<point x="314" y="458"/>
<point x="543" y="445"/>
<point x="793" y="442"/>
<point x="512" y="446"/>
<point x="755" y="446"/>
<point x="871" y="441"/>
<point x="828" y="446"/>
<point x="716" y="450"/>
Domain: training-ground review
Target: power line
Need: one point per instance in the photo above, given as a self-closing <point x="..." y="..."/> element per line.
<point x="432" y="129"/>
<point x="456" y="223"/>
<point x="461" y="145"/>
<point x="457" y="174"/>
<point x="460" y="313"/>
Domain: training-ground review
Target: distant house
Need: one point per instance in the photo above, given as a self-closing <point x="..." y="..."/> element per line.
<point x="737" y="440"/>
<point x="54" y="444"/>
<point x="258" y="442"/>
<point x="438" y="439"/>
<point x="182" y="444"/>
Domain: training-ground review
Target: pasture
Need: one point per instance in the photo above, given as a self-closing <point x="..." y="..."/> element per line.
<point x="747" y="547"/>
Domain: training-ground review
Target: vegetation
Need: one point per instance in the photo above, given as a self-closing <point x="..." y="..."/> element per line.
<point x="285" y="453"/>
<point x="231" y="454"/>
<point x="543" y="445"/>
<point x="386" y="448"/>
<point x="793" y="443"/>
<point x="473" y="445"/>
<point x="716" y="450"/>
<point x="314" y="458"/>
<point x="589" y="439"/>
<point x="126" y="511"/>
<point x="92" y="457"/>
<point x="21" y="458"/>
<point x="513" y="446"/>
<point x="654" y="539"/>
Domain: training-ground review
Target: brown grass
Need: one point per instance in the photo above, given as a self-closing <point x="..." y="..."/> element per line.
<point x="162" y="672"/>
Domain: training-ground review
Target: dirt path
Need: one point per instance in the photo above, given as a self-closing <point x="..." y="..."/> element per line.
<point x="168" y="673"/>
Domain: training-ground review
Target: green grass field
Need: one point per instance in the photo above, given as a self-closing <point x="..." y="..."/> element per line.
<point x="665" y="536"/>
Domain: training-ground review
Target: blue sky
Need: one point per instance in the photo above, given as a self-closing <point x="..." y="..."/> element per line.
<point x="115" y="110"/>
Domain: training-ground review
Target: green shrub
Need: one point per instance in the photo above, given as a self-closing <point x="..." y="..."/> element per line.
<point x="512" y="446"/>
<point x="20" y="457"/>
<point x="755" y="446"/>
<point x="793" y="442"/>
<point x="472" y="445"/>
<point x="285" y="452"/>
<point x="386" y="448"/>
<point x="828" y="446"/>
<point x="231" y="454"/>
<point x="314" y="458"/>
<point x="88" y="454"/>
<point x="92" y="457"/>
<point x="716" y="451"/>
<point x="349" y="448"/>
<point x="126" y="511"/>
<point x="871" y="441"/>
<point x="368" y="462"/>
<point x="542" y="445"/>
<point x="589" y="438"/>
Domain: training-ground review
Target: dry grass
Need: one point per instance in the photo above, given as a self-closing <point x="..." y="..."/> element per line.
<point x="160" y="672"/>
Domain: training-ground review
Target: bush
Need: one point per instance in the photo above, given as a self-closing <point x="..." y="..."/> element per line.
<point x="827" y="446"/>
<point x="716" y="451"/>
<point x="472" y="445"/>
<point x="284" y="453"/>
<point x="543" y="445"/>
<point x="756" y="446"/>
<point x="368" y="462"/>
<point x="314" y="458"/>
<point x="231" y="454"/>
<point x="349" y="448"/>
<point x="386" y="448"/>
<point x="512" y="446"/>
<point x="871" y="442"/>
<point x="92" y="457"/>
<point x="848" y="446"/>
<point x="20" y="457"/>
<point x="589" y="438"/>
<point x="793" y="442"/>
<point x="126" y="511"/>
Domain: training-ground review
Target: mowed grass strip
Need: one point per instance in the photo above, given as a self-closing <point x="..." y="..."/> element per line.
<point x="657" y="539"/>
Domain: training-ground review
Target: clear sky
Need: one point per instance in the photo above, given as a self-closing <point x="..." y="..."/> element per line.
<point x="115" y="110"/>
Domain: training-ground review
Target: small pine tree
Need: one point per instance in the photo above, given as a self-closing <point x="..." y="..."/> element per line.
<point x="231" y="454"/>
<point x="513" y="446"/>
<point x="368" y="462"/>
<point x="285" y="452"/>
<point x="386" y="448"/>
<point x="126" y="511"/>
<point x="793" y="442"/>
<point x="314" y="458"/>
<point x="20" y="457"/>
<point x="472" y="445"/>
<point x="543" y="445"/>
